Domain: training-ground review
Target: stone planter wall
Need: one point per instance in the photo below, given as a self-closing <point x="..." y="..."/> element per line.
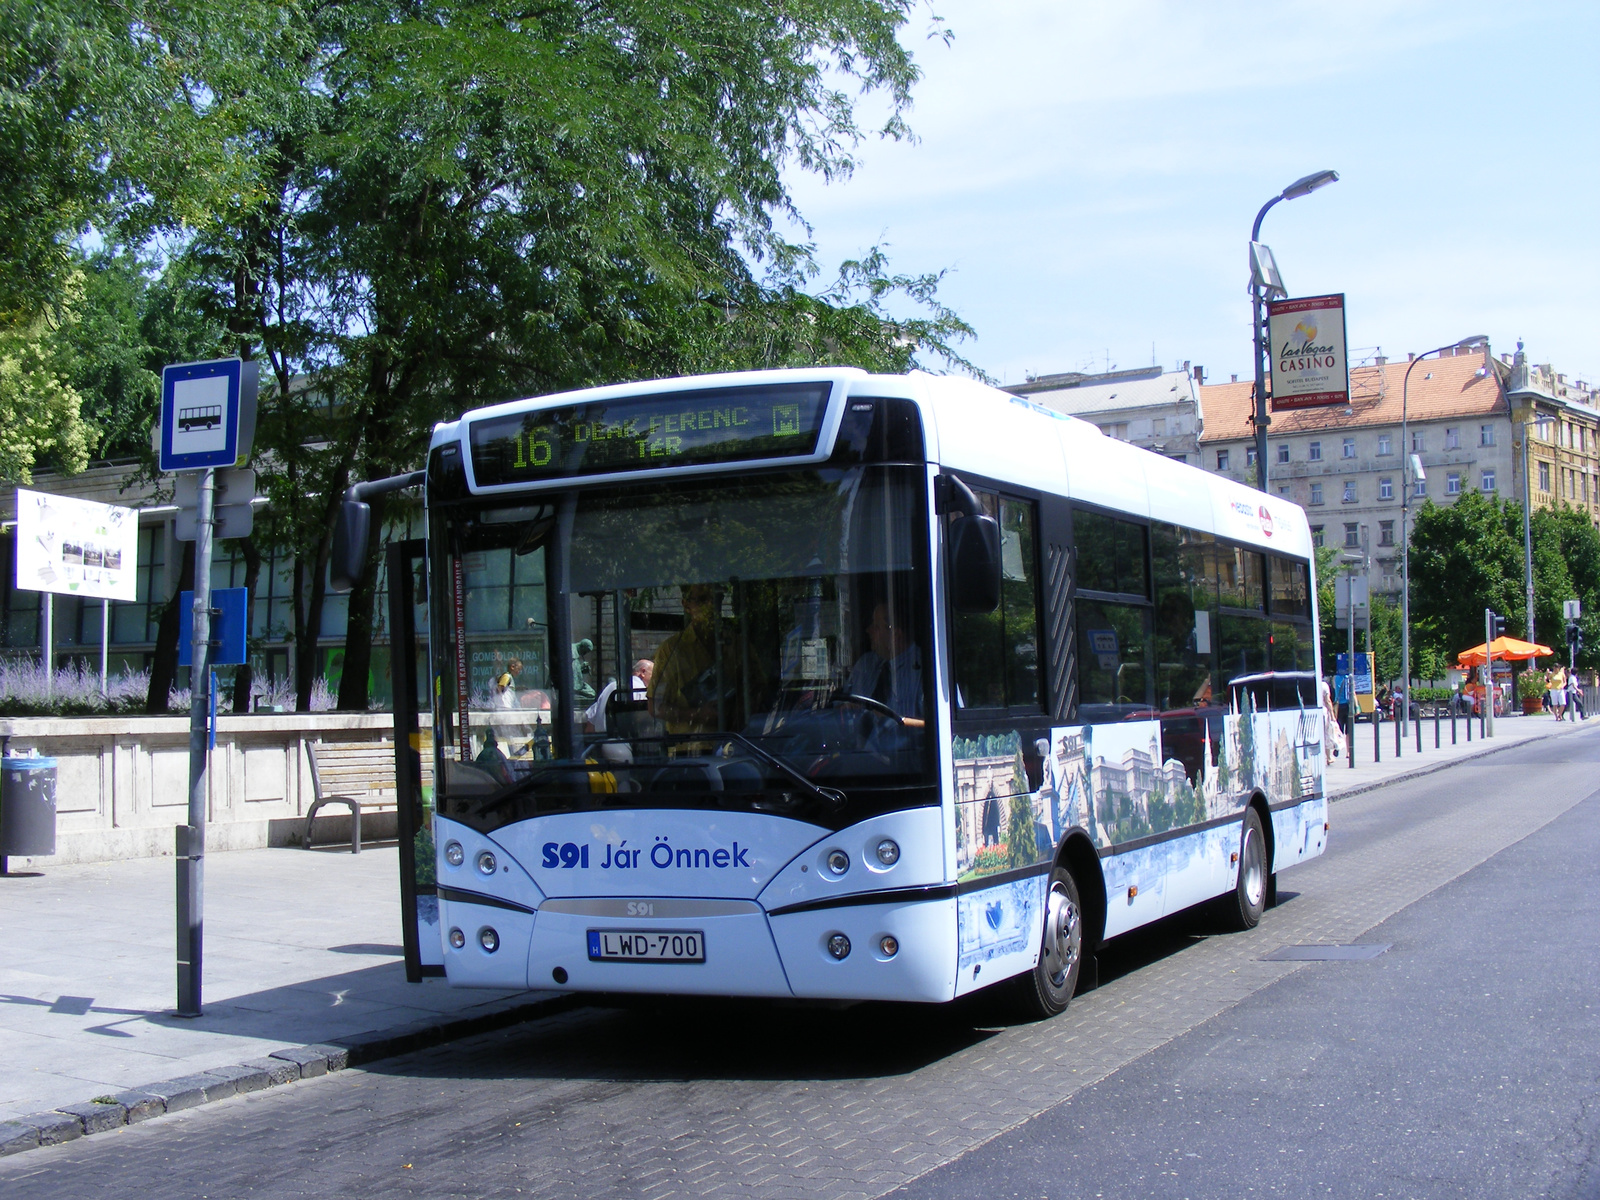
<point x="122" y="783"/>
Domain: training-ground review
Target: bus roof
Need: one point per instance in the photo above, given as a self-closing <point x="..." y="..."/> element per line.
<point x="973" y="428"/>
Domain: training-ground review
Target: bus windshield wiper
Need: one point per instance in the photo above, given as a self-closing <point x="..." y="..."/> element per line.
<point x="831" y="796"/>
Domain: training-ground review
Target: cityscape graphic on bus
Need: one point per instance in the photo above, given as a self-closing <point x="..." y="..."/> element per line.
<point x="202" y="416"/>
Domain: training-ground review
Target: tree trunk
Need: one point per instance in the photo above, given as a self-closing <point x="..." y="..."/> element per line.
<point x="312" y="577"/>
<point x="353" y="691"/>
<point x="164" y="665"/>
<point x="245" y="675"/>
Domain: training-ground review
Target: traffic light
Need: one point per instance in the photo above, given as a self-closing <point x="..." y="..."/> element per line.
<point x="1499" y="624"/>
<point x="1574" y="635"/>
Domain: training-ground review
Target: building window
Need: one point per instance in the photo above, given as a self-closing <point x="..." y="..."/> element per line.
<point x="1316" y="493"/>
<point x="1485" y="435"/>
<point x="1283" y="452"/>
<point x="1222" y="465"/>
<point x="1283" y="490"/>
<point x="1249" y="456"/>
<point x="1419" y="487"/>
<point x="1385" y="445"/>
<point x="1488" y="480"/>
<point x="1352" y="535"/>
<point x="1385" y="533"/>
<point x="1183" y="458"/>
<point x="1349" y="491"/>
<point x="1452" y="484"/>
<point x="1544" y="477"/>
<point x="1158" y="427"/>
<point x="1314" y="453"/>
<point x="1452" y="438"/>
<point x="1316" y="535"/>
<point x="1385" y="489"/>
<point x="1347" y="448"/>
<point x="1117" y="429"/>
<point x="1416" y="442"/>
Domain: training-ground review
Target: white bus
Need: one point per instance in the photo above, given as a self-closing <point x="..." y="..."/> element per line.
<point x="920" y="688"/>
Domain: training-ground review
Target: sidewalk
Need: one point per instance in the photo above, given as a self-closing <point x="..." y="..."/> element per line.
<point x="1341" y="780"/>
<point x="301" y="949"/>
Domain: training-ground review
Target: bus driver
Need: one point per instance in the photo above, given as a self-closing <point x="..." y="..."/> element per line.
<point x="890" y="672"/>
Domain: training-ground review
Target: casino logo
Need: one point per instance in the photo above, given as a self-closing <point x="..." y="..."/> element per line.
<point x="1266" y="521"/>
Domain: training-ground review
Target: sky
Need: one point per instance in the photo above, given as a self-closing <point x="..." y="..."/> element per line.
<point x="1087" y="174"/>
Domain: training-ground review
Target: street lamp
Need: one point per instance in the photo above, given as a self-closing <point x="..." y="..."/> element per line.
<point x="1264" y="280"/>
<point x="1411" y="467"/>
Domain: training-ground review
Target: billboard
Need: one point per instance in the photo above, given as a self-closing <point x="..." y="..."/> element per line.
<point x="76" y="547"/>
<point x="1309" y="365"/>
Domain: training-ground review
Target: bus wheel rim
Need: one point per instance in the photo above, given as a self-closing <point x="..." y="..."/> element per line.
<point x="1063" y="939"/>
<point x="1253" y="869"/>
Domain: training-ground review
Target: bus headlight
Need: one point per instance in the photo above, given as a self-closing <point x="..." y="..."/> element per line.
<point x="839" y="946"/>
<point x="838" y="863"/>
<point x="488" y="939"/>
<point x="486" y="863"/>
<point x="888" y="945"/>
<point x="888" y="852"/>
<point x="454" y="854"/>
<point x="457" y="938"/>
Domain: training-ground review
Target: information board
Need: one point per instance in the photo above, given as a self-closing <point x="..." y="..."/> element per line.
<point x="76" y="547"/>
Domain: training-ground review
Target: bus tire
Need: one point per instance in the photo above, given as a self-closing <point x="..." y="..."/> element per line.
<point x="1047" y="989"/>
<point x="1249" y="900"/>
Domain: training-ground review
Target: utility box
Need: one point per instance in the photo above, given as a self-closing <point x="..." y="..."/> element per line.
<point x="27" y="807"/>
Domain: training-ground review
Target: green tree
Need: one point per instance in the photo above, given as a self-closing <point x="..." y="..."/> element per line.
<point x="404" y="209"/>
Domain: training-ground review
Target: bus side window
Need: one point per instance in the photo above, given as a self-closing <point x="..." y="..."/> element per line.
<point x="996" y="655"/>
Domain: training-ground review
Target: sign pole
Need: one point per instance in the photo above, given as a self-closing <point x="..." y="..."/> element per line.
<point x="48" y="603"/>
<point x="192" y="838"/>
<point x="105" y="643"/>
<point x="1488" y="672"/>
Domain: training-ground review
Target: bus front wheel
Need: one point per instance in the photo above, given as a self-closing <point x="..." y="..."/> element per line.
<point x="1249" y="899"/>
<point x="1047" y="989"/>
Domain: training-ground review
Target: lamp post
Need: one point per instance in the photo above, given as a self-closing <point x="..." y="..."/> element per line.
<point x="1263" y="281"/>
<point x="1412" y="463"/>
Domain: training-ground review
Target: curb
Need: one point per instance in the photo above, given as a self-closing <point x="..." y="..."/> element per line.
<point x="70" y="1122"/>
<point x="1372" y="785"/>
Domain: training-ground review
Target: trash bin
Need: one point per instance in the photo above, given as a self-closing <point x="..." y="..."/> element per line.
<point x="27" y="806"/>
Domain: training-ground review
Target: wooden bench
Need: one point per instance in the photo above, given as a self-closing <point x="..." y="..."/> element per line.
<point x="354" y="774"/>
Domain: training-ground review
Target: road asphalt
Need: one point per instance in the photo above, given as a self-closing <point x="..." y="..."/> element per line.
<point x="90" y="1007"/>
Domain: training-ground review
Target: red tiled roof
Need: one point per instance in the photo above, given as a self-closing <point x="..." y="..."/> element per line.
<point x="1458" y="388"/>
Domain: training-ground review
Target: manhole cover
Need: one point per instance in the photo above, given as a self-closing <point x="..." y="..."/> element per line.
<point x="1357" y="953"/>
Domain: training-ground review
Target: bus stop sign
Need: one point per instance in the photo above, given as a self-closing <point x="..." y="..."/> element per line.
<point x="208" y="414"/>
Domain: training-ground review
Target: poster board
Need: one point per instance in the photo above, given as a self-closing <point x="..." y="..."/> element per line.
<point x="1310" y="366"/>
<point x="76" y="547"/>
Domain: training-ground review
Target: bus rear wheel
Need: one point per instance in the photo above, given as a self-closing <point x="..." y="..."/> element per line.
<point x="1047" y="989"/>
<point x="1249" y="900"/>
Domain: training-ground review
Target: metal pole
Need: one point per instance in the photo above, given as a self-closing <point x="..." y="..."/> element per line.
<point x="105" y="643"/>
<point x="47" y="602"/>
<point x="1350" y="659"/>
<point x="1527" y="532"/>
<point x="192" y="838"/>
<point x="1488" y="669"/>
<point x="1258" y="329"/>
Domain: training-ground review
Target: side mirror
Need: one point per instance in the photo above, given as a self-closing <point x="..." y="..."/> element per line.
<point x="349" y="557"/>
<point x="975" y="563"/>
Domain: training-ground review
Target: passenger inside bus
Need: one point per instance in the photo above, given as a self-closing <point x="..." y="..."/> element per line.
<point x="690" y="690"/>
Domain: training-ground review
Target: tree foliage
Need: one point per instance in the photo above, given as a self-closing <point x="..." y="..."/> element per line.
<point x="408" y="207"/>
<point x="1469" y="557"/>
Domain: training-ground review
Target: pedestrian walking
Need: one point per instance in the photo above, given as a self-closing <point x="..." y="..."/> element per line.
<point x="1556" y="690"/>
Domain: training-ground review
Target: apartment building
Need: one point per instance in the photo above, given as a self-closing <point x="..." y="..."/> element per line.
<point x="1345" y="465"/>
<point x="1153" y="408"/>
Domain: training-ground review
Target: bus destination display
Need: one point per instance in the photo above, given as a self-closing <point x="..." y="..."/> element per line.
<point x="639" y="433"/>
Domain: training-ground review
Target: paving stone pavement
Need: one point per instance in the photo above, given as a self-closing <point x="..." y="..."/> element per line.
<point x="555" y="1108"/>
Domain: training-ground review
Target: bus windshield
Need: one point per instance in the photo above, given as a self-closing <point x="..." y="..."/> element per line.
<point x="758" y="641"/>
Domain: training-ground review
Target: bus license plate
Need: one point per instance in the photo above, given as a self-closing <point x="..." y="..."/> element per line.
<point x="630" y="945"/>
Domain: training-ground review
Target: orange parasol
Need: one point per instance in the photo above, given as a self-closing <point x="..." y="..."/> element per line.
<point x="1505" y="649"/>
